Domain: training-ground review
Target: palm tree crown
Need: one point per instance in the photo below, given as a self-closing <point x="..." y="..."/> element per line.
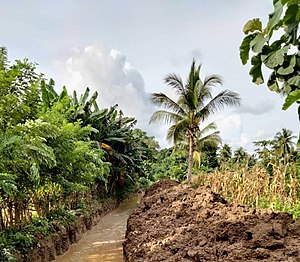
<point x="284" y="143"/>
<point x="194" y="105"/>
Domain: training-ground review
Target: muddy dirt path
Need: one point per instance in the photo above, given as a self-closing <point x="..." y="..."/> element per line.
<point x="104" y="241"/>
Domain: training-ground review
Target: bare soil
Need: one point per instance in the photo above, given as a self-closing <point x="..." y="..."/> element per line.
<point x="178" y="223"/>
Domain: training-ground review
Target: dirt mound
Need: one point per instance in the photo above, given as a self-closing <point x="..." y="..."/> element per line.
<point x="158" y="187"/>
<point x="179" y="223"/>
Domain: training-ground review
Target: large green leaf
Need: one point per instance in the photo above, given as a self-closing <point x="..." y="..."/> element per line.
<point x="291" y="98"/>
<point x="295" y="81"/>
<point x="245" y="48"/>
<point x="291" y="14"/>
<point x="257" y="43"/>
<point x="275" y="58"/>
<point x="84" y="97"/>
<point x="275" y="16"/>
<point x="255" y="70"/>
<point x="289" y="69"/>
<point x="252" y="26"/>
<point x="63" y="93"/>
<point x="289" y="2"/>
<point x="272" y="83"/>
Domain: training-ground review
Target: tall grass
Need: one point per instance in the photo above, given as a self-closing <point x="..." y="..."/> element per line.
<point x="255" y="187"/>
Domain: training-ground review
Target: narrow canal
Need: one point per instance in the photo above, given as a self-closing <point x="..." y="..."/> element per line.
<point x="103" y="243"/>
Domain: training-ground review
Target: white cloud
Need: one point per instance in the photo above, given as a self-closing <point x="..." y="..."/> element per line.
<point x="233" y="132"/>
<point x="245" y="140"/>
<point x="263" y="134"/>
<point x="116" y="80"/>
<point x="230" y="128"/>
<point x="259" y="108"/>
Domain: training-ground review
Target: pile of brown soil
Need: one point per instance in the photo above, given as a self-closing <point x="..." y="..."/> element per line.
<point x="178" y="223"/>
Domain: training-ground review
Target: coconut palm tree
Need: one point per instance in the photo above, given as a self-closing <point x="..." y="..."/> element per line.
<point x="284" y="143"/>
<point x="194" y="105"/>
<point x="240" y="155"/>
<point x="225" y="153"/>
<point x="264" y="150"/>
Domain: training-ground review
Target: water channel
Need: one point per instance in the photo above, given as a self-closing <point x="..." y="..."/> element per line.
<point x="103" y="243"/>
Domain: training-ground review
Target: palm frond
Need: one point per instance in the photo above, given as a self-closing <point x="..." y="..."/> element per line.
<point x="163" y="100"/>
<point x="212" y="137"/>
<point x="192" y="87"/>
<point x="210" y="127"/>
<point x="205" y="89"/>
<point x="194" y="105"/>
<point x="212" y="80"/>
<point x="175" y="82"/>
<point x="219" y="102"/>
<point x="204" y="94"/>
<point x="210" y="140"/>
<point x="177" y="132"/>
<point x="165" y="117"/>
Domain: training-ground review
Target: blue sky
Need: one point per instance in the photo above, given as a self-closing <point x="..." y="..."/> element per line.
<point x="124" y="49"/>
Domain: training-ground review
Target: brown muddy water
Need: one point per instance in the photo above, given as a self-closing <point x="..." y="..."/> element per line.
<point x="103" y="243"/>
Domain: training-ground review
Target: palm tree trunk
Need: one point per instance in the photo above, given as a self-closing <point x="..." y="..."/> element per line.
<point x="191" y="152"/>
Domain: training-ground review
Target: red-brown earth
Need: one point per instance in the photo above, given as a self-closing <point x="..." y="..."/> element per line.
<point x="179" y="223"/>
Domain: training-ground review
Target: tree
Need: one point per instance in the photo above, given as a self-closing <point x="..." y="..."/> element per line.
<point x="264" y="150"/>
<point x="280" y="54"/>
<point x="194" y="105"/>
<point x="19" y="92"/>
<point x="169" y="164"/>
<point x="240" y="155"/>
<point x="225" y="153"/>
<point x="126" y="147"/>
<point x="284" y="144"/>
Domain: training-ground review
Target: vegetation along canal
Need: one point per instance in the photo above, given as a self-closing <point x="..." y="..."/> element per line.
<point x="104" y="241"/>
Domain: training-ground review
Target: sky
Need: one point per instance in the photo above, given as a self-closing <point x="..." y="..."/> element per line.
<point x="124" y="49"/>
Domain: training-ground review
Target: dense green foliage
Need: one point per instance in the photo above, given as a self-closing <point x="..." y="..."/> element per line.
<point x="170" y="163"/>
<point x="280" y="54"/>
<point x="58" y="154"/>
